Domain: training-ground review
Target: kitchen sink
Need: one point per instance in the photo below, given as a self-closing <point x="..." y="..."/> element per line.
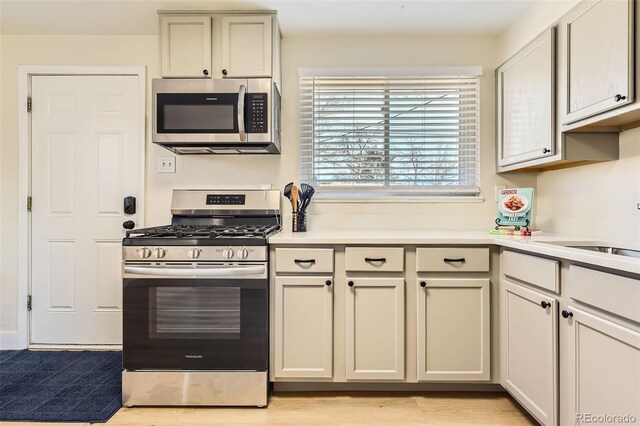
<point x="610" y="250"/>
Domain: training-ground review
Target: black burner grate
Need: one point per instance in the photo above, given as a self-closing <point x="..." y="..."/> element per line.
<point x="204" y="231"/>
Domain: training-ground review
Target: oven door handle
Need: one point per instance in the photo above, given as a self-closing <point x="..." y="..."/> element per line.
<point x="244" y="271"/>
<point x="241" y="129"/>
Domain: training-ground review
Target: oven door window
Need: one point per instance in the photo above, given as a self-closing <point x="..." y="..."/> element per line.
<point x="194" y="313"/>
<point x="197" y="112"/>
<point x="195" y="324"/>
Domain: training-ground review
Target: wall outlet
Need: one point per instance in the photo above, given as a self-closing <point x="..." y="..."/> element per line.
<point x="166" y="164"/>
<point x="496" y="193"/>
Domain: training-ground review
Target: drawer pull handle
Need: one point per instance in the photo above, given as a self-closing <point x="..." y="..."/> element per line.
<point x="545" y="304"/>
<point x="328" y="282"/>
<point x="351" y="283"/>
<point x="299" y="261"/>
<point x="567" y="314"/>
<point x="375" y="259"/>
<point x="619" y="98"/>
<point x="423" y="284"/>
<point x="459" y="260"/>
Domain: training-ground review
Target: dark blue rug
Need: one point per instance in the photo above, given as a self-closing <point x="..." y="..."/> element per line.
<point x="60" y="386"/>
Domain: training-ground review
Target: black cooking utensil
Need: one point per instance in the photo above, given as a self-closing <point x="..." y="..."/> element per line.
<point x="307" y="192"/>
<point x="287" y="190"/>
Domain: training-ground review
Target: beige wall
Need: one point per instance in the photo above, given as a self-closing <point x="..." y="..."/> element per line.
<point x="596" y="200"/>
<point x="211" y="171"/>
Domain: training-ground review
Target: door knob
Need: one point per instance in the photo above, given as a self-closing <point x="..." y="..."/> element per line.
<point x="129" y="224"/>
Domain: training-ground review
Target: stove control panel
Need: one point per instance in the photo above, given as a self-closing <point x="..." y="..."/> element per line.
<point x="226" y="199"/>
<point x="189" y="253"/>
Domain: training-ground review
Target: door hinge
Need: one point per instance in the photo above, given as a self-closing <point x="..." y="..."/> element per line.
<point x="29" y="303"/>
<point x="28" y="103"/>
<point x="29" y="203"/>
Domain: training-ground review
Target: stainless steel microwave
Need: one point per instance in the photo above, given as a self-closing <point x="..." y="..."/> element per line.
<point x="208" y="116"/>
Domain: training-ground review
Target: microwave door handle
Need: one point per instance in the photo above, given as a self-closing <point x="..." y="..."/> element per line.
<point x="242" y="132"/>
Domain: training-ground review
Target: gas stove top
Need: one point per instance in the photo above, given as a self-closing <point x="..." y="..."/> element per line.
<point x="210" y="225"/>
<point x="204" y="231"/>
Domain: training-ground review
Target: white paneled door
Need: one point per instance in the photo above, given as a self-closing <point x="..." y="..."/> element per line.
<point x="86" y="157"/>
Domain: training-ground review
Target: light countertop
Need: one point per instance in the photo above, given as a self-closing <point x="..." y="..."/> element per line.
<point x="547" y="244"/>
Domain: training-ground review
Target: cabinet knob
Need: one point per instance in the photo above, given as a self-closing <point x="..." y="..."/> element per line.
<point x="328" y="282"/>
<point x="224" y="72"/>
<point x="545" y="304"/>
<point x="619" y="98"/>
<point x="546" y="150"/>
<point x="350" y="283"/>
<point x="567" y="314"/>
<point x="423" y="284"/>
<point x="205" y="72"/>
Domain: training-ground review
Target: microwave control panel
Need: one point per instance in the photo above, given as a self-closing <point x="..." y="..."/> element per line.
<point x="257" y="113"/>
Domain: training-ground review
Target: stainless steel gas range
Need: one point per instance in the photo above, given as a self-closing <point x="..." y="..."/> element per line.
<point x="195" y="301"/>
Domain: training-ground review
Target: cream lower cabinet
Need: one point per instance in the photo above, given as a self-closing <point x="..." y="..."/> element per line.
<point x="453" y="329"/>
<point x="600" y="370"/>
<point x="529" y="350"/>
<point x="303" y="327"/>
<point x="375" y="337"/>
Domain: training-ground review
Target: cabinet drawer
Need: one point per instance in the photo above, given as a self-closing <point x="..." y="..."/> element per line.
<point x="452" y="259"/>
<point x="534" y="270"/>
<point x="304" y="260"/>
<point x="386" y="259"/>
<point x="612" y="293"/>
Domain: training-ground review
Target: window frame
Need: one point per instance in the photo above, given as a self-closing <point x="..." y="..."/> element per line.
<point x="394" y="193"/>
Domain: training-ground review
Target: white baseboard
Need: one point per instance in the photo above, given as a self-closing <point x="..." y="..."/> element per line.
<point x="46" y="346"/>
<point x="9" y="340"/>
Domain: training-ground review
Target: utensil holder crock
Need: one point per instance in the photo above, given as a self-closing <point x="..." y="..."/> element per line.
<point x="299" y="222"/>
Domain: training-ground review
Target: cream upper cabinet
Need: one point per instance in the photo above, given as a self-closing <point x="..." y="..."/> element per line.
<point x="600" y="367"/>
<point x="303" y="329"/>
<point x="526" y="102"/>
<point x="529" y="350"/>
<point x="375" y="328"/>
<point x="453" y="329"/>
<point x="185" y="46"/>
<point x="598" y="55"/>
<point x="246" y="46"/>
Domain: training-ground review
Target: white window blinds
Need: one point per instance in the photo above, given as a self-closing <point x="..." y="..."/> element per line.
<point x="416" y="135"/>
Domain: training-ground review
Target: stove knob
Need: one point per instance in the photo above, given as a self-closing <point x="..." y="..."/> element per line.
<point x="227" y="253"/>
<point x="159" y="252"/>
<point x="242" y="253"/>
<point x="143" y="253"/>
<point x="194" y="253"/>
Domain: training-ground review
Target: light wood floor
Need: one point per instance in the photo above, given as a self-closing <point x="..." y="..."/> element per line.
<point x="432" y="408"/>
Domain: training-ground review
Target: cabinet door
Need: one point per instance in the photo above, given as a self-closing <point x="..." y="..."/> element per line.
<point x="185" y="46"/>
<point x="600" y="364"/>
<point x="453" y="329"/>
<point x="526" y="102"/>
<point x="598" y="44"/>
<point x="529" y="350"/>
<point x="246" y="46"/>
<point x="375" y="328"/>
<point x="303" y="327"/>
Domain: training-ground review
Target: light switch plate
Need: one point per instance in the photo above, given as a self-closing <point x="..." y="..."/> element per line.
<point x="166" y="164"/>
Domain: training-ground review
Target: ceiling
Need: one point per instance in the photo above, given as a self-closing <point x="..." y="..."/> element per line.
<point x="297" y="17"/>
